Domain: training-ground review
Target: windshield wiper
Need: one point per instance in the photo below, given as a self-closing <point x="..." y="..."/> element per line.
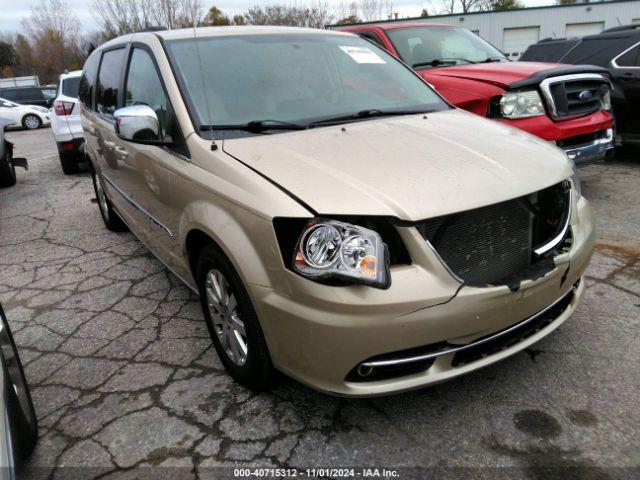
<point x="373" y="112"/>
<point x="257" y="126"/>
<point x="436" y="62"/>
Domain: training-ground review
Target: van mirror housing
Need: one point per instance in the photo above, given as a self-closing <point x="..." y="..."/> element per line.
<point x="138" y="123"/>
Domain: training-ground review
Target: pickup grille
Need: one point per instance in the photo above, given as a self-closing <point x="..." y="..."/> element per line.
<point x="569" y="97"/>
<point x="494" y="244"/>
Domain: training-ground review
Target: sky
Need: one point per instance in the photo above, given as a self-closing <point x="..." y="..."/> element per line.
<point x="13" y="11"/>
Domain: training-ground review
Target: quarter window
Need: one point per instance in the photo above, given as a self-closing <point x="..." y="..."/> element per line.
<point x="143" y="86"/>
<point x="109" y="81"/>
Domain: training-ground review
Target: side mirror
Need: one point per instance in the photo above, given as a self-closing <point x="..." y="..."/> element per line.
<point x="18" y="423"/>
<point x="138" y="123"/>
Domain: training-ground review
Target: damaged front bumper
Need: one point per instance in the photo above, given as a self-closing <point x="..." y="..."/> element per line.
<point x="590" y="150"/>
<point x="328" y="337"/>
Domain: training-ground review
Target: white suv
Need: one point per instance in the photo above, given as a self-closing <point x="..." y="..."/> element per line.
<point x="65" y="122"/>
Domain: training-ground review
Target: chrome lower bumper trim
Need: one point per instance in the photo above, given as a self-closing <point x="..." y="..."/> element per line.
<point x="449" y="351"/>
<point x="592" y="151"/>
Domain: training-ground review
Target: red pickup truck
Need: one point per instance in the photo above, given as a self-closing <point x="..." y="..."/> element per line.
<point x="566" y="104"/>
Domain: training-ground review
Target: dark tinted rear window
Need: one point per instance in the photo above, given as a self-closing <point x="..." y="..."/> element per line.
<point x="70" y="87"/>
<point x="88" y="79"/>
<point x="548" y="51"/>
<point x="109" y="81"/>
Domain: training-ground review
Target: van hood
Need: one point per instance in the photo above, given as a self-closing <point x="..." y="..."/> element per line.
<point x="510" y="74"/>
<point x="409" y="167"/>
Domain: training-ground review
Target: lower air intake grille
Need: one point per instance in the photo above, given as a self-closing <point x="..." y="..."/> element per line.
<point x="490" y="244"/>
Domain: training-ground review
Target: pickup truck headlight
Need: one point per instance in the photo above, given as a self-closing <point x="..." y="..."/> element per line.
<point x="521" y="104"/>
<point x="328" y="249"/>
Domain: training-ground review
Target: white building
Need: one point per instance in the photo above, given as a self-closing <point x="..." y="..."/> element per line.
<point x="512" y="31"/>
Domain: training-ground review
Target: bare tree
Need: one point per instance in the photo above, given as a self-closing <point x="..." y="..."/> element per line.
<point x="53" y="34"/>
<point x="316" y="15"/>
<point x="459" y="6"/>
<point x="117" y="17"/>
<point x="126" y="16"/>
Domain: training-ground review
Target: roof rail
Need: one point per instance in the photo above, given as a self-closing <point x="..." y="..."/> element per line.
<point x="154" y="28"/>
<point x="622" y="28"/>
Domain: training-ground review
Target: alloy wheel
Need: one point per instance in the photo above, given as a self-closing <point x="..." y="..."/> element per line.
<point x="225" y="315"/>
<point x="31" y="122"/>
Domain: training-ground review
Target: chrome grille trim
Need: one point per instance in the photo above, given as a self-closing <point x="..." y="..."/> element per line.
<point x="563" y="232"/>
<point x="547" y="83"/>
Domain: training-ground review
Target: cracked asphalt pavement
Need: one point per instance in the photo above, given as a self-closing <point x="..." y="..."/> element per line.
<point x="126" y="384"/>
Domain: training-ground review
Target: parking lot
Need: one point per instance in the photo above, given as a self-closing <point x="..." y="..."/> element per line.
<point x="123" y="375"/>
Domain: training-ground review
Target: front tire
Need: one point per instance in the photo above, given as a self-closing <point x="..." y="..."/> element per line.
<point x="232" y="321"/>
<point x="109" y="216"/>
<point x="7" y="171"/>
<point x="31" y="122"/>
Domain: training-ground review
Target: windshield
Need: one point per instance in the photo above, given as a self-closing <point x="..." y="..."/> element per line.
<point x="296" y="78"/>
<point x="442" y="46"/>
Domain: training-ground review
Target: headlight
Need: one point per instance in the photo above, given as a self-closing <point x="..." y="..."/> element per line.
<point x="521" y="104"/>
<point x="328" y="249"/>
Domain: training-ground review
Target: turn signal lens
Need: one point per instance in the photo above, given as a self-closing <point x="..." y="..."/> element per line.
<point x="329" y="249"/>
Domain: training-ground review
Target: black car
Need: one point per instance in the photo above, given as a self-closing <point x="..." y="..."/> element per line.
<point x="41" y="96"/>
<point x="618" y="50"/>
<point x="8" y="163"/>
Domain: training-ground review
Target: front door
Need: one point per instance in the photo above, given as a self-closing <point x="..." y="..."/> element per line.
<point x="151" y="167"/>
<point x="626" y="95"/>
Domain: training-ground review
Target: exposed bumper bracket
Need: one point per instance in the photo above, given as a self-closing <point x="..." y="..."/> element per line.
<point x="593" y="151"/>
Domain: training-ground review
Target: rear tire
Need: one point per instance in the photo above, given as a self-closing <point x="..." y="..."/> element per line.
<point x="31" y="122"/>
<point x="69" y="164"/>
<point x="7" y="171"/>
<point x="253" y="367"/>
<point x="109" y="216"/>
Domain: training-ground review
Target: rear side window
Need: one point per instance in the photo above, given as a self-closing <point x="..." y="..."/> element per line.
<point x="598" y="51"/>
<point x="69" y="87"/>
<point x="109" y="81"/>
<point x="30" y="94"/>
<point x="630" y="58"/>
<point x="88" y="80"/>
<point x="8" y="94"/>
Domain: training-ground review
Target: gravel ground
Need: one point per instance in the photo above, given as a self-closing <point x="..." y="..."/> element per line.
<point x="124" y="378"/>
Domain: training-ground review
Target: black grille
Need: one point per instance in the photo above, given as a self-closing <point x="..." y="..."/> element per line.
<point x="577" y="97"/>
<point x="493" y="244"/>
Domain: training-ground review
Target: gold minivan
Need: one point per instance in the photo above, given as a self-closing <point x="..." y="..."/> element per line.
<point x="341" y="222"/>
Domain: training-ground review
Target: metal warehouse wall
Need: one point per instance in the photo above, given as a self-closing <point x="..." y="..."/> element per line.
<point x="552" y="21"/>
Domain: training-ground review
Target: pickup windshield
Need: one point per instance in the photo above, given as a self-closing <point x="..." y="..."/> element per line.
<point x="297" y="79"/>
<point x="433" y="46"/>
